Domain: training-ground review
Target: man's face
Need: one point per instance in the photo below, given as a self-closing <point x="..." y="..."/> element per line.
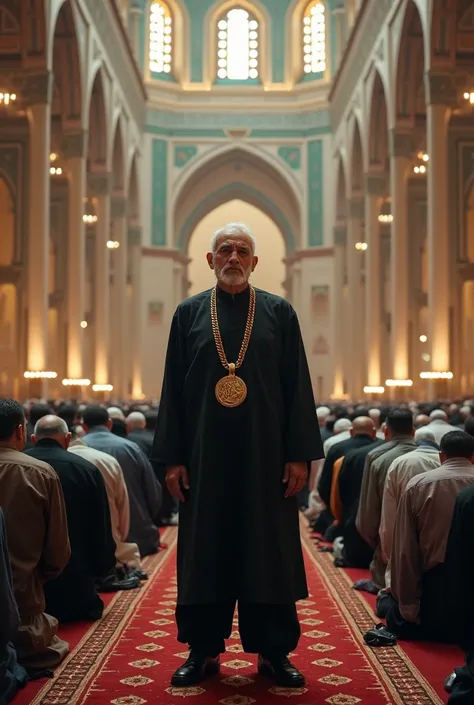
<point x="233" y="261"/>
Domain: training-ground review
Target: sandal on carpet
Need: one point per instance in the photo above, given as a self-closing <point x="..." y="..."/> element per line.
<point x="380" y="636"/>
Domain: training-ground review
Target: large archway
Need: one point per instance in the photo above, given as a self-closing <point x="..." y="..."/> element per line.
<point x="238" y="173"/>
<point x="270" y="271"/>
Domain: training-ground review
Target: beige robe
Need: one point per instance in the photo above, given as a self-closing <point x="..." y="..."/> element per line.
<point x="399" y="475"/>
<point x="35" y="516"/>
<point x="422" y="527"/>
<point x="117" y="495"/>
<point x="369" y="514"/>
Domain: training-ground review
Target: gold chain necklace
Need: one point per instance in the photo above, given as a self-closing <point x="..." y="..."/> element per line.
<point x="231" y="390"/>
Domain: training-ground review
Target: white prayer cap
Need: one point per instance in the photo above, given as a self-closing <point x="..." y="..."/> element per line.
<point x="421" y="434"/>
<point x="322" y="412"/>
<point x="115" y="413"/>
<point x="342" y="425"/>
<point x="438" y="415"/>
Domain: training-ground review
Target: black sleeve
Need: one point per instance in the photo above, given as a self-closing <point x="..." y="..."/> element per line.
<point x="97" y="516"/>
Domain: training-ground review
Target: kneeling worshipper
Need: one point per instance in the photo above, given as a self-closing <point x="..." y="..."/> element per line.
<point x="126" y="553"/>
<point x="418" y="574"/>
<point x="459" y="571"/>
<point x="12" y="675"/>
<point x="72" y="595"/>
<point x="352" y="550"/>
<point x="399" y="434"/>
<point x="425" y="457"/>
<point x="35" y="516"/>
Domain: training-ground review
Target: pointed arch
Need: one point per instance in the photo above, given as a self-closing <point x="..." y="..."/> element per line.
<point x="118" y="159"/>
<point x="236" y="174"/>
<point x="161" y="34"/>
<point x="98" y="135"/>
<point x="377" y="138"/>
<point x="134" y="211"/>
<point x="298" y="27"/>
<point x="67" y="65"/>
<point x="341" y="191"/>
<point x="355" y="170"/>
<point x="410" y="68"/>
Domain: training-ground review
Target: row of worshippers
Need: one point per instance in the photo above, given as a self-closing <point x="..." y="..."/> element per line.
<point x="388" y="505"/>
<point x="79" y="514"/>
<point x="135" y="423"/>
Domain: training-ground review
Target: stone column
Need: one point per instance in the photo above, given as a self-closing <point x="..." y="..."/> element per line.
<point x="74" y="149"/>
<point x="119" y="309"/>
<point x="375" y="190"/>
<point x="340" y="238"/>
<point x="355" y="261"/>
<point x="441" y="94"/>
<point x="39" y="118"/>
<point x="99" y="186"/>
<point x="401" y="152"/>
<point x="135" y="253"/>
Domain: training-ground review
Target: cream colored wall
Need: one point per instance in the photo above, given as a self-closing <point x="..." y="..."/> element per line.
<point x="270" y="271"/>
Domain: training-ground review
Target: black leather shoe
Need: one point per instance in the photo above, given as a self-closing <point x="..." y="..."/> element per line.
<point x="194" y="670"/>
<point x="282" y="671"/>
<point x="449" y="682"/>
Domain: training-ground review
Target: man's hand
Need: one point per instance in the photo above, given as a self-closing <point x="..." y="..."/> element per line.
<point x="295" y="476"/>
<point x="177" y="477"/>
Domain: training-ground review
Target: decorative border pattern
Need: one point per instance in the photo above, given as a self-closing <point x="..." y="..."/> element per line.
<point x="77" y="670"/>
<point x="407" y="685"/>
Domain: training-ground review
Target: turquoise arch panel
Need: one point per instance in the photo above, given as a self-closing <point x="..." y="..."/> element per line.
<point x="315" y="193"/>
<point x="229" y="192"/>
<point x="159" y="192"/>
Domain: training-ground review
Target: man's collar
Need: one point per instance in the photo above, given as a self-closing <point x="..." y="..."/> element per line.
<point x="98" y="429"/>
<point x="48" y="443"/>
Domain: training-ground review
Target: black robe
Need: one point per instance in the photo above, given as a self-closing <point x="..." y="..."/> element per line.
<point x="72" y="595"/>
<point x="357" y="552"/>
<point x="338" y="450"/>
<point x="238" y="535"/>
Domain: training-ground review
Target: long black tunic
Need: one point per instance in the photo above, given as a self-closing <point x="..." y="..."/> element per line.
<point x="238" y="535"/>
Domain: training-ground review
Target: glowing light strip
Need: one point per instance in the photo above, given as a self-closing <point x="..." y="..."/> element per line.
<point x="399" y="382"/>
<point x="102" y="387"/>
<point x="37" y="374"/>
<point x="436" y="375"/>
<point x="76" y="382"/>
<point x="373" y="390"/>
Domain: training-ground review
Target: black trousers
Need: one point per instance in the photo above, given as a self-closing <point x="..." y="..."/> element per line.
<point x="270" y="630"/>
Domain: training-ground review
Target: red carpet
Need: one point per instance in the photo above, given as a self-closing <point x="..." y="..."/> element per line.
<point x="128" y="657"/>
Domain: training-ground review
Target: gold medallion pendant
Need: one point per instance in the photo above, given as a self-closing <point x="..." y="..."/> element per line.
<point x="231" y="390"/>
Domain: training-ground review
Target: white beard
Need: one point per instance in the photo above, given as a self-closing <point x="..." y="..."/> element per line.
<point x="233" y="278"/>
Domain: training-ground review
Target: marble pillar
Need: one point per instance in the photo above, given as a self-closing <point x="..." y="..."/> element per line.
<point x="355" y="264"/>
<point x="119" y="303"/>
<point x="135" y="254"/>
<point x="340" y="238"/>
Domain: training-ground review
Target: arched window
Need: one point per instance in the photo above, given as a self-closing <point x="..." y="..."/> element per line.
<point x="314" y="37"/>
<point x="161" y="38"/>
<point x="237" y="46"/>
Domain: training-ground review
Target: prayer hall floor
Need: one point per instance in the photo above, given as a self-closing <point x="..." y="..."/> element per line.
<point x="128" y="657"/>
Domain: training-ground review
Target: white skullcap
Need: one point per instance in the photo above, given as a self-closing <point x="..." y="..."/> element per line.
<point x="438" y="415"/>
<point x="115" y="413"/>
<point x="421" y="434"/>
<point x="322" y="412"/>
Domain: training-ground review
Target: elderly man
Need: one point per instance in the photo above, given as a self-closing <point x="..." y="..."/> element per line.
<point x="439" y="425"/>
<point x="399" y="433"/>
<point x="236" y="429"/>
<point x="137" y="432"/>
<point x="422" y="526"/>
<point x="425" y="457"/>
<point x="73" y="596"/>
<point x="126" y="553"/>
<point x="35" y="515"/>
<point x="144" y="490"/>
<point x="342" y="432"/>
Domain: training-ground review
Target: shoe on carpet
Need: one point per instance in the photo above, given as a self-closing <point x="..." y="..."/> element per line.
<point x="195" y="670"/>
<point x="449" y="682"/>
<point x="281" y="671"/>
<point x="366" y="586"/>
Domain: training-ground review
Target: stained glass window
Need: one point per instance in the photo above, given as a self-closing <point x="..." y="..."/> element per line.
<point x="237" y="46"/>
<point x="314" y="37"/>
<point x="161" y="38"/>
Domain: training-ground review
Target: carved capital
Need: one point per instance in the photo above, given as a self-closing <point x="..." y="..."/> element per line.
<point x="99" y="184"/>
<point x="440" y="89"/>
<point x="118" y="206"/>
<point x="340" y="235"/>
<point x="356" y="208"/>
<point x="376" y="184"/>
<point x="74" y="144"/>
<point x="134" y="235"/>
<point x="401" y="143"/>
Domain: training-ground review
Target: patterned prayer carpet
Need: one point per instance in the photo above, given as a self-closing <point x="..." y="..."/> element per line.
<point x="128" y="657"/>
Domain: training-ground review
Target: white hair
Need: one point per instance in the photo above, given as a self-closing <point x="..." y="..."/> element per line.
<point x="233" y="230"/>
<point x="438" y="415"/>
<point x="342" y="425"/>
<point x="322" y="412"/>
<point x="116" y="413"/>
<point x="421" y="434"/>
<point x="50" y="426"/>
